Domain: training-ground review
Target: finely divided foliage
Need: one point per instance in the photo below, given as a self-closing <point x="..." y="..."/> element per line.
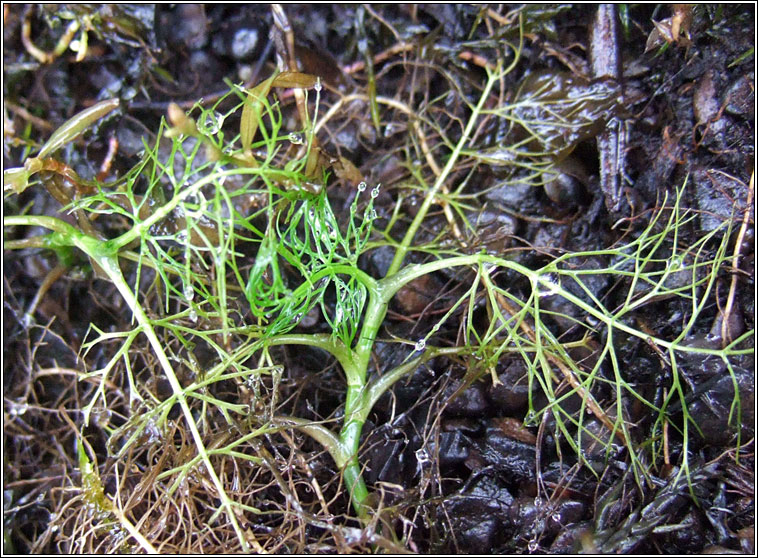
<point x="209" y="222"/>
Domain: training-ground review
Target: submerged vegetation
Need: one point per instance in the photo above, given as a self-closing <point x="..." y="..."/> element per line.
<point x="238" y="237"/>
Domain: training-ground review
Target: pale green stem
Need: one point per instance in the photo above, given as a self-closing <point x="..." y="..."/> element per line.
<point x="380" y="385"/>
<point x="324" y="341"/>
<point x="109" y="263"/>
<point x="165" y="210"/>
<point x="111" y="268"/>
<point x="431" y="195"/>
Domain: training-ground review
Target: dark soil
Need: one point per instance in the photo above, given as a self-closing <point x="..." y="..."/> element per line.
<point x="448" y="454"/>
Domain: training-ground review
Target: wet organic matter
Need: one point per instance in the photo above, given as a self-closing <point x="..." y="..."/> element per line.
<point x="404" y="278"/>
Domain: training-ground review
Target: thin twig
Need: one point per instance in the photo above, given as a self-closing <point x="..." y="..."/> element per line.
<point x="35" y="121"/>
<point x="725" y="333"/>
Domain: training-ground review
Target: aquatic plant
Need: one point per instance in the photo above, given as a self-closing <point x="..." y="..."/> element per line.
<point x="228" y="240"/>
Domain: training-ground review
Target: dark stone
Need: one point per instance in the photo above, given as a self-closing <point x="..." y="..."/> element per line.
<point x="740" y="97"/>
<point x="186" y="25"/>
<point x="516" y="460"/>
<point x="454" y="449"/>
<point x="511" y="396"/>
<point x="470" y="427"/>
<point x="470" y="403"/>
<point x="567" y="540"/>
<point x="481" y="516"/>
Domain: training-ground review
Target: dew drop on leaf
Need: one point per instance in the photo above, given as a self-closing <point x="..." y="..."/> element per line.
<point x="213" y="122"/>
<point x="361" y="186"/>
<point x="26" y="320"/>
<point x="549" y="285"/>
<point x="420" y="345"/>
<point x="17" y="409"/>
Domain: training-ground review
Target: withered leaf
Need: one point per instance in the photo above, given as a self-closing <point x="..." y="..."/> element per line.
<point x="347" y="171"/>
<point x="251" y="112"/>
<point x="295" y="79"/>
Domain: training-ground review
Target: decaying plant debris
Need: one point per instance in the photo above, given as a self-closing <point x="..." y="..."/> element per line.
<point x="360" y="278"/>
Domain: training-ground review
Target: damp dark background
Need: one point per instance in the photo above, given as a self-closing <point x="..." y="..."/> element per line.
<point x="456" y="466"/>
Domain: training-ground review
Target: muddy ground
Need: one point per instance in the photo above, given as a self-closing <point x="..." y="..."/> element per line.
<point x="455" y="467"/>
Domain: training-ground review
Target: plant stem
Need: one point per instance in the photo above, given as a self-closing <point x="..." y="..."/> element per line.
<point x="405" y="244"/>
<point x="326" y="342"/>
<point x="110" y="265"/>
<point x="108" y="261"/>
<point x="165" y="210"/>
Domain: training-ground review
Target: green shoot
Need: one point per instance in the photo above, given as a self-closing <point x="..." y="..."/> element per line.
<point x="229" y="240"/>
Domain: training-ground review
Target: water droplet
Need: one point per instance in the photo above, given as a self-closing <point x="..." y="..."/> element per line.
<point x="392" y="128"/>
<point x="375" y="191"/>
<point x="193" y="315"/>
<point x="244" y="42"/>
<point x="101" y="416"/>
<point x="675" y="264"/>
<point x="372" y="214"/>
<point x="361" y="186"/>
<point x="189" y="292"/>
<point x="26" y="320"/>
<point x="17" y="409"/>
<point x="296" y="138"/>
<point x="318" y="85"/>
<point x="549" y="285"/>
<point x="212" y="122"/>
<point x="154" y="434"/>
<point x="420" y="345"/>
